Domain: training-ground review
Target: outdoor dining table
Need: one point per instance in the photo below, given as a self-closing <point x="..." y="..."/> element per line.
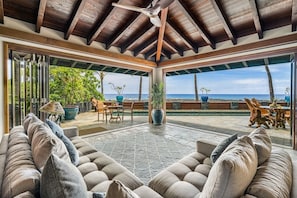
<point x="115" y="111"/>
<point x="279" y="112"/>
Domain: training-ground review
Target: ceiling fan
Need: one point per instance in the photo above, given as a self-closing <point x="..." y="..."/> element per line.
<point x="152" y="11"/>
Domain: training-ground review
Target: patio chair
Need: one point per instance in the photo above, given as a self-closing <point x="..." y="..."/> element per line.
<point x="256" y="115"/>
<point x="94" y="103"/>
<point x="101" y="109"/>
<point x="257" y="104"/>
<point x="127" y="107"/>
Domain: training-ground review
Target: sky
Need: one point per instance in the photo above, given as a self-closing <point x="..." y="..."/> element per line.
<point x="252" y="80"/>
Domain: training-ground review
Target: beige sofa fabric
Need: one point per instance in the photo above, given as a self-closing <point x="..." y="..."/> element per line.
<point x="262" y="143"/>
<point x="44" y="143"/>
<point x="118" y="190"/>
<point x="273" y="178"/>
<point x="233" y="171"/>
<point x="20" y="174"/>
<point x="184" y="179"/>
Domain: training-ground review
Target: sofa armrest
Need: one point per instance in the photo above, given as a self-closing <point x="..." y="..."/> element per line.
<point x="205" y="147"/>
<point x="70" y="131"/>
<point x="3" y="151"/>
<point x="294" y="183"/>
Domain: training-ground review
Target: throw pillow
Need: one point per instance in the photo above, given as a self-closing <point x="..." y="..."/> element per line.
<point x="58" y="131"/>
<point x="233" y="172"/>
<point x="274" y="177"/>
<point x="215" y="154"/>
<point x="262" y="143"/>
<point x="61" y="179"/>
<point x="118" y="190"/>
<point x="44" y="142"/>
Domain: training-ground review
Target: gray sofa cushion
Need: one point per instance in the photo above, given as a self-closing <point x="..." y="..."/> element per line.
<point x="273" y="178"/>
<point x="61" y="179"/>
<point x="58" y="131"/>
<point x="215" y="154"/>
<point x="262" y="143"/>
<point x="233" y="171"/>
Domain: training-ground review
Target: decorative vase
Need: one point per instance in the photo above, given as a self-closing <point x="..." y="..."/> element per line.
<point x="204" y="98"/>
<point x="120" y="99"/>
<point x="71" y="112"/>
<point x="157" y="116"/>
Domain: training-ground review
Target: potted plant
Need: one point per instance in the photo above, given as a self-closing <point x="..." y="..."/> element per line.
<point x="119" y="90"/>
<point x="157" y="103"/>
<point x="204" y="97"/>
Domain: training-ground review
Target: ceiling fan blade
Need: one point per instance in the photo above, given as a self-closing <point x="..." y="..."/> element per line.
<point x="128" y="7"/>
<point x="155" y="20"/>
<point x="164" y="3"/>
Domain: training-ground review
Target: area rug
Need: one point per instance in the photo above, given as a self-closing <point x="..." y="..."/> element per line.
<point x="90" y="130"/>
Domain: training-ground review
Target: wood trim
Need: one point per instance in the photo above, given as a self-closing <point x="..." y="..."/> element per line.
<point x="256" y="18"/>
<point x="1" y="12"/>
<point x="5" y="88"/>
<point x="18" y="47"/>
<point x="240" y="58"/>
<point x="110" y="58"/>
<point x="40" y="16"/>
<point x="262" y="44"/>
<point x="294" y="15"/>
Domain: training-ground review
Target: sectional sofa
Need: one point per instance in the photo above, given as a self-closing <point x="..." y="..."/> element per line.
<point x="40" y="159"/>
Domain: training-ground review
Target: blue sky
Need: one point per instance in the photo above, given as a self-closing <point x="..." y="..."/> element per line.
<point x="252" y="80"/>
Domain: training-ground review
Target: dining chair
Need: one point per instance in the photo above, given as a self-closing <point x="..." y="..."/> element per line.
<point x="127" y="107"/>
<point x="101" y="109"/>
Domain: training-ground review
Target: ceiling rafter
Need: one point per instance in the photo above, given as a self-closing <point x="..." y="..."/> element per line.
<point x="135" y="37"/>
<point x="266" y="61"/>
<point x="75" y="17"/>
<point x="193" y="19"/>
<point x="166" y="53"/>
<point x="182" y="35"/>
<point x="169" y="46"/>
<point x="224" y="19"/>
<point x="90" y="66"/>
<point x="1" y="12"/>
<point x="40" y="16"/>
<point x="148" y="43"/>
<point x="245" y="63"/>
<point x="151" y="52"/>
<point x="174" y="47"/>
<point x="227" y="66"/>
<point x="294" y="15"/>
<point x="164" y="13"/>
<point x="127" y="25"/>
<point x="101" y="22"/>
<point x="256" y="18"/>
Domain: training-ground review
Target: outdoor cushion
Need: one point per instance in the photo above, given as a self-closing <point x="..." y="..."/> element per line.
<point x="58" y="131"/>
<point x="219" y="149"/>
<point x="61" y="179"/>
<point x="233" y="171"/>
<point x="273" y="178"/>
<point x="262" y="143"/>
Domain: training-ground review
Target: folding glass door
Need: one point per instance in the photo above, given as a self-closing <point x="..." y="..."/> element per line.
<point x="27" y="85"/>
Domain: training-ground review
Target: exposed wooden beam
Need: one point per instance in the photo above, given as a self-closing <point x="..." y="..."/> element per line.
<point x="174" y="47"/>
<point x="197" y="24"/>
<point x="256" y="18"/>
<point x="182" y="35"/>
<point x="245" y="63"/>
<point x="74" y="17"/>
<point x="40" y="16"/>
<point x="166" y="53"/>
<point x="1" y="12"/>
<point x="147" y="44"/>
<point x="164" y="13"/>
<point x="294" y="15"/>
<point x="227" y="66"/>
<point x="151" y="52"/>
<point x="225" y="21"/>
<point x="101" y="22"/>
<point x="266" y="61"/>
<point x="127" y="25"/>
<point x="134" y="38"/>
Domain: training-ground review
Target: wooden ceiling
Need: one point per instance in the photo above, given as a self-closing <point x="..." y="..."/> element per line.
<point x="187" y="25"/>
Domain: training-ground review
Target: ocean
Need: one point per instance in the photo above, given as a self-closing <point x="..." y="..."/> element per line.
<point x="237" y="97"/>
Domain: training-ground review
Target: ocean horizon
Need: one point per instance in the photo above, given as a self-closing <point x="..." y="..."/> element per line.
<point x="239" y="97"/>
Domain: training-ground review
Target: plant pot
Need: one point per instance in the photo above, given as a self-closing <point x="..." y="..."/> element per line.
<point x="157" y="116"/>
<point x="204" y="98"/>
<point x="120" y="99"/>
<point x="71" y="112"/>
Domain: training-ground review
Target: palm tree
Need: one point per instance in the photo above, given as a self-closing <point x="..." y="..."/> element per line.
<point x="102" y="75"/>
<point x="196" y="89"/>
<point x="271" y="92"/>
<point x="140" y="88"/>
